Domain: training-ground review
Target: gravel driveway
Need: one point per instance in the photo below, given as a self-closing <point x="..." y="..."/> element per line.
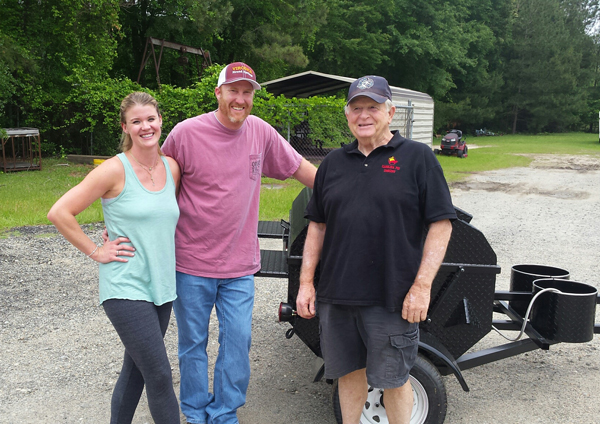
<point x="60" y="356"/>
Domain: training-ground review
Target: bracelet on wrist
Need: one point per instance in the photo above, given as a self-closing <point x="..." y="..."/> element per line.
<point x="93" y="251"/>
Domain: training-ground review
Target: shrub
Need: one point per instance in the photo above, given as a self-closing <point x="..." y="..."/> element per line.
<point x="91" y="110"/>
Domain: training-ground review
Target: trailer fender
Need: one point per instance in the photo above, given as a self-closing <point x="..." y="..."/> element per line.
<point x="318" y="368"/>
<point x="435" y="351"/>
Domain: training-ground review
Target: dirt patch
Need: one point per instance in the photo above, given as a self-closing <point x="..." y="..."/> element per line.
<point x="520" y="189"/>
<point x="536" y="183"/>
<point x="583" y="163"/>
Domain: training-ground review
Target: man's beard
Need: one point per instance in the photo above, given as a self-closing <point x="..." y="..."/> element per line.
<point x="226" y="111"/>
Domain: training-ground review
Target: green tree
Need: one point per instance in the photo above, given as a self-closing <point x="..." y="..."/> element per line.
<point x="71" y="42"/>
<point x="583" y="19"/>
<point x="354" y="40"/>
<point x="428" y="46"/>
<point x="12" y="59"/>
<point x="544" y="75"/>
<point x="267" y="34"/>
<point x="271" y="36"/>
<point x="475" y="100"/>
<point x="590" y="117"/>
<point x="193" y="23"/>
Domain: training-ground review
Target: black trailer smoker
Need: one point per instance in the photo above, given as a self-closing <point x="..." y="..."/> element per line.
<point x="542" y="305"/>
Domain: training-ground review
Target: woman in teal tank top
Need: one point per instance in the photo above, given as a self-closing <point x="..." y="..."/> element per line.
<point x="138" y="191"/>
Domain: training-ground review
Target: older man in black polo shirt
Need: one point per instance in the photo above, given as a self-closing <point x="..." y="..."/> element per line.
<point x="373" y="200"/>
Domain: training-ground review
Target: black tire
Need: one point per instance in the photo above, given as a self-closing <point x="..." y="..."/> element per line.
<point x="429" y="394"/>
<point x="466" y="151"/>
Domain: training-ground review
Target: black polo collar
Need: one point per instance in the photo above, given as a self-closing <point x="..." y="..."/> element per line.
<point x="396" y="140"/>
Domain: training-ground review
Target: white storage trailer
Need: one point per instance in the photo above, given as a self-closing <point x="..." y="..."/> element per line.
<point x="414" y="109"/>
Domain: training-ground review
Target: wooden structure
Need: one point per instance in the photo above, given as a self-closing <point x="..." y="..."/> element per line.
<point x="21" y="149"/>
<point x="86" y="159"/>
<point x="183" y="60"/>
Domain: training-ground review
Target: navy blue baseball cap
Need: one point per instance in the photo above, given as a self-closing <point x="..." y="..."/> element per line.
<point x="372" y="86"/>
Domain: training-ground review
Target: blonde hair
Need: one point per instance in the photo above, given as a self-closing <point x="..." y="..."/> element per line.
<point x="136" y="98"/>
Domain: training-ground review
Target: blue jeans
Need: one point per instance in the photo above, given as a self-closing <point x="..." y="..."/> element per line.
<point x="233" y="299"/>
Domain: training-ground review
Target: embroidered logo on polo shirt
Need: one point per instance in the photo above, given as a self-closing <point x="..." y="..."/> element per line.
<point x="391" y="167"/>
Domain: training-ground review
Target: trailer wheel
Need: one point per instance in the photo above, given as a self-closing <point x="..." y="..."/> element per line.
<point x="429" y="398"/>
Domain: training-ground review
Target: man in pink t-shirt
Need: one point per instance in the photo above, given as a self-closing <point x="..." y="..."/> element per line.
<point x="222" y="155"/>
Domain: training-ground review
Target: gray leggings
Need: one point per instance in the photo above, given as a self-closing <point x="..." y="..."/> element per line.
<point x="141" y="326"/>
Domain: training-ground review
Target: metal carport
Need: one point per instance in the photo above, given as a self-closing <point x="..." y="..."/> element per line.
<point x="312" y="83"/>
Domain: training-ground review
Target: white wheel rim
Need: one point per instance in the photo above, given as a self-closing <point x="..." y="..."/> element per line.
<point x="374" y="412"/>
<point x="420" y="402"/>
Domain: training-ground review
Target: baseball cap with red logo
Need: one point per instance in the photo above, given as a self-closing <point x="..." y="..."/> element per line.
<point x="238" y="71"/>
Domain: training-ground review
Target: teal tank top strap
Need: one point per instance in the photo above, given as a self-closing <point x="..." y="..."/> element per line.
<point x="129" y="172"/>
<point x="168" y="169"/>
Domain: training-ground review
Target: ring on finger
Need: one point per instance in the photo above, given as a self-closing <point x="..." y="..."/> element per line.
<point x="118" y="252"/>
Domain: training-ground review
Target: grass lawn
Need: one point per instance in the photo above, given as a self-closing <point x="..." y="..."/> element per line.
<point x="514" y="150"/>
<point x="26" y="197"/>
